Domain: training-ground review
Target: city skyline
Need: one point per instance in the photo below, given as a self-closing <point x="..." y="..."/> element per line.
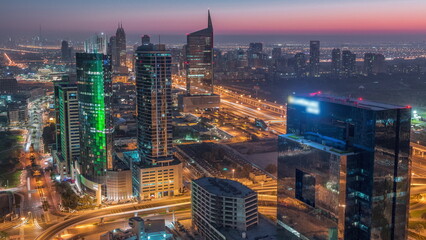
<point x="237" y="17"/>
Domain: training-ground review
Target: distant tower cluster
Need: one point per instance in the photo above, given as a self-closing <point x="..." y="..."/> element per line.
<point x="374" y="63"/>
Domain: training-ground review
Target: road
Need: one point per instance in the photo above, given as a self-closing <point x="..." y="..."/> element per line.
<point x="60" y="227"/>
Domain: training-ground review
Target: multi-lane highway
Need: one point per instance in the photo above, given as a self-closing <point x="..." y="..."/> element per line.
<point x="109" y="212"/>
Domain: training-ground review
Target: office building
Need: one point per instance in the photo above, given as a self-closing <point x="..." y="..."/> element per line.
<point x="344" y="169"/>
<point x="199" y="71"/>
<point x="199" y="61"/>
<point x="157" y="173"/>
<point x="374" y="63"/>
<point x="221" y="205"/>
<point x="276" y="53"/>
<point x="255" y="56"/>
<point x="348" y="63"/>
<point x="120" y="37"/>
<point x="66" y="51"/>
<point x="96" y="129"/>
<point x="68" y="127"/>
<point x="314" y="58"/>
<point x="300" y="64"/>
<point x="336" y="62"/>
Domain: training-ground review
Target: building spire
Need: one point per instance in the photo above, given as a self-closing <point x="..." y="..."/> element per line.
<point x="210" y="25"/>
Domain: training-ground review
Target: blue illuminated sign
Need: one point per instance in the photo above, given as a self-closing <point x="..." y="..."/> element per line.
<point x="311" y="106"/>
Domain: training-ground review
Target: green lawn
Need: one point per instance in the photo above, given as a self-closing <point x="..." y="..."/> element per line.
<point x="10" y="179"/>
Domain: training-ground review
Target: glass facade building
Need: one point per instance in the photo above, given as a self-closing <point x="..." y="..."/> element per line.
<point x="199" y="61"/>
<point x="155" y="172"/>
<point x="154" y="104"/>
<point x="314" y="58"/>
<point x="96" y="129"/>
<point x="67" y="123"/>
<point x="344" y="169"/>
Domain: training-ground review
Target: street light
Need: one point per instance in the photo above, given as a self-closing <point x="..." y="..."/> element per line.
<point x="233" y="172"/>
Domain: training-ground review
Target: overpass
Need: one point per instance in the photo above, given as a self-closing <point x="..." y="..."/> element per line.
<point x="248" y="99"/>
<point x="418" y="149"/>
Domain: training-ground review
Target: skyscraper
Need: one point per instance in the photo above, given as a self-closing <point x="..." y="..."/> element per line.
<point x="96" y="129"/>
<point x="120" y="38"/>
<point x="348" y="63"/>
<point x="336" y="62"/>
<point x="300" y="64"/>
<point x="154" y="106"/>
<point x="314" y="58"/>
<point x="344" y="169"/>
<point x="65" y="51"/>
<point x="67" y="123"/>
<point x="255" y="55"/>
<point x="199" y="71"/>
<point x="199" y="61"/>
<point x="374" y="63"/>
<point x="276" y="53"/>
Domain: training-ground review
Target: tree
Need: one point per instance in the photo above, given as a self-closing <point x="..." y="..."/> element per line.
<point x="3" y="235"/>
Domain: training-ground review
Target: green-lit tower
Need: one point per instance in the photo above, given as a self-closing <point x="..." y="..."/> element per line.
<point x="94" y="95"/>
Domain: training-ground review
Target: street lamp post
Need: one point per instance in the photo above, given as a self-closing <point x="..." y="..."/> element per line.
<point x="233" y="172"/>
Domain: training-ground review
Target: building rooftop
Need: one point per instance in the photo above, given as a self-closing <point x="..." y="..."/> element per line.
<point x="355" y="102"/>
<point x="224" y="187"/>
<point x="319" y="146"/>
<point x="264" y="230"/>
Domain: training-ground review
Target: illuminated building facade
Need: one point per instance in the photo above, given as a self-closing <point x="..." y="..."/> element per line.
<point x="314" y="58"/>
<point x="94" y="96"/>
<point x="68" y="126"/>
<point x="157" y="173"/>
<point x="199" y="61"/>
<point x="344" y="169"/>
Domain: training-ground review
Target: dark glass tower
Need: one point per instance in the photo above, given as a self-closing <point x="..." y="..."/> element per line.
<point x="336" y="62"/>
<point x="314" y="58"/>
<point x="199" y="61"/>
<point x="348" y="63"/>
<point x="154" y="105"/>
<point x="344" y="169"/>
<point x="120" y="38"/>
<point x="94" y="96"/>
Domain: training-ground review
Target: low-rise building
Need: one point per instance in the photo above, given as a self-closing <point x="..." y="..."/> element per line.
<point x="221" y="207"/>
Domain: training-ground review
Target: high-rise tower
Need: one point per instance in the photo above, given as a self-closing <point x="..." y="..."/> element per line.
<point x="67" y="123"/>
<point x="199" y="61"/>
<point x="94" y="96"/>
<point x="154" y="106"/>
<point x="199" y="71"/>
<point x="314" y="58"/>
<point x="120" y="38"/>
<point x="336" y="62"/>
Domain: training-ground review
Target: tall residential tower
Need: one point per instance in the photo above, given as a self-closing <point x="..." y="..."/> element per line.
<point x="157" y="173"/>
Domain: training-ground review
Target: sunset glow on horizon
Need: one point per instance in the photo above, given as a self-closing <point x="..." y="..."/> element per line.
<point x="238" y="17"/>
